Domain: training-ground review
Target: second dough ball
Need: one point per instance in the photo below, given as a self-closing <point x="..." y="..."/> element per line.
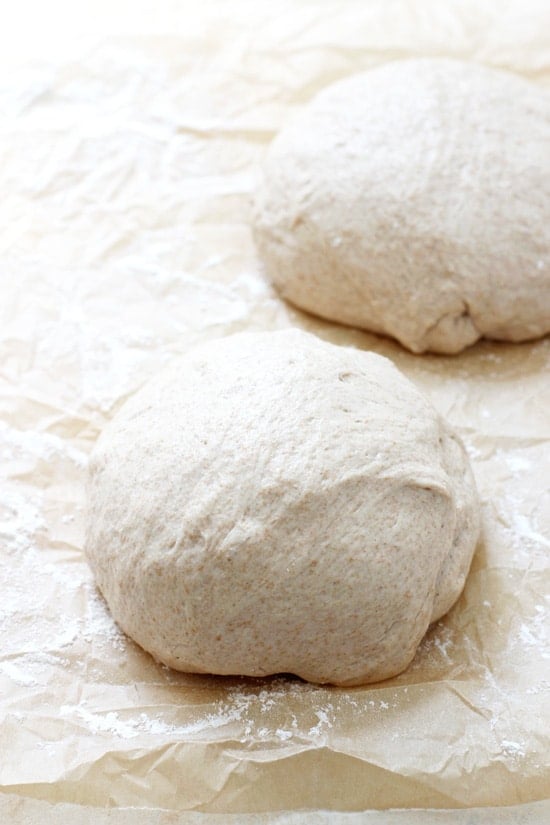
<point x="272" y="503"/>
<point x="413" y="200"/>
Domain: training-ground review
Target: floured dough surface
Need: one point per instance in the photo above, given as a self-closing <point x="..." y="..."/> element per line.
<point x="413" y="200"/>
<point x="274" y="503"/>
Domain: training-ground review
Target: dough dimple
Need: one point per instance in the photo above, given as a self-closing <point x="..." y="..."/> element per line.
<point x="274" y="503"/>
<point x="413" y="200"/>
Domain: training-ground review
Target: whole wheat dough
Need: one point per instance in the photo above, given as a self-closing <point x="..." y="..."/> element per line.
<point x="273" y="503"/>
<point x="414" y="200"/>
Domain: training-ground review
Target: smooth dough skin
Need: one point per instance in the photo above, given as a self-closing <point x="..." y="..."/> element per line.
<point x="273" y="503"/>
<point x="413" y="200"/>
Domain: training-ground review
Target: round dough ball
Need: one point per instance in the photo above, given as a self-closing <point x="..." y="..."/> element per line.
<point x="273" y="503"/>
<point x="414" y="200"/>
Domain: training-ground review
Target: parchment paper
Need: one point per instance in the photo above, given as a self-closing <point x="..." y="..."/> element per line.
<point x="129" y="145"/>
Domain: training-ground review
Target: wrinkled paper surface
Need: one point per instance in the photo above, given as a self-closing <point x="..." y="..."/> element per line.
<point x="128" y="156"/>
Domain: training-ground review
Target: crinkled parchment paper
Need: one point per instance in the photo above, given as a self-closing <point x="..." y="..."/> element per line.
<point x="130" y="137"/>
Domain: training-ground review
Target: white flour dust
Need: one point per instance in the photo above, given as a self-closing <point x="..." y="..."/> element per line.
<point x="58" y="645"/>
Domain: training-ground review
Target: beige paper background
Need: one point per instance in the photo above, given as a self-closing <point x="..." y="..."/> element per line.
<point x="130" y="139"/>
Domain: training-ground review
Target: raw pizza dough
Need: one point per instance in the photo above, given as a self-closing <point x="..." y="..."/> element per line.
<point x="414" y="200"/>
<point x="273" y="503"/>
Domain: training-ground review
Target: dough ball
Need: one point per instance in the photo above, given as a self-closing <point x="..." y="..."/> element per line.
<point x="413" y="200"/>
<point x="273" y="503"/>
